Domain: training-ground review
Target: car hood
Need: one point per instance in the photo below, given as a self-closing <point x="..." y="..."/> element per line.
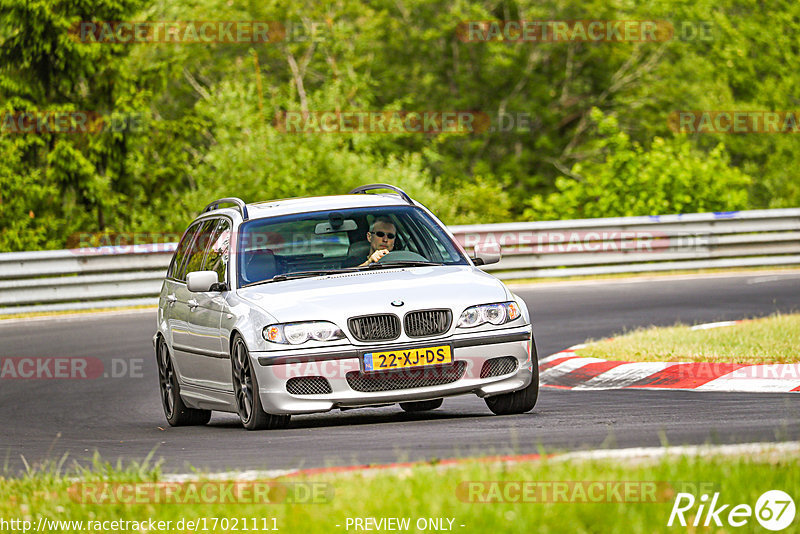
<point x="338" y="297"/>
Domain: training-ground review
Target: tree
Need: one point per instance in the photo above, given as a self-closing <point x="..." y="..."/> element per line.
<point x="626" y="179"/>
<point x="45" y="70"/>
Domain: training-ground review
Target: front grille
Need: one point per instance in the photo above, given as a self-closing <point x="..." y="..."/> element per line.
<point x="406" y="378"/>
<point x="498" y="366"/>
<point x="308" y="385"/>
<point x="375" y="327"/>
<point x="427" y="323"/>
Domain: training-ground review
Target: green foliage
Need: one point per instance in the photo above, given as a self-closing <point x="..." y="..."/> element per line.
<point x="490" y="494"/>
<point x="207" y="112"/>
<point x="266" y="163"/>
<point x="70" y="182"/>
<point x="627" y="179"/>
<point x="24" y="200"/>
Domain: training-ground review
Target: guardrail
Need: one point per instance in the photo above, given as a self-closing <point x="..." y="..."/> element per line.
<point x="127" y="276"/>
<point x="640" y="244"/>
<point x="82" y="278"/>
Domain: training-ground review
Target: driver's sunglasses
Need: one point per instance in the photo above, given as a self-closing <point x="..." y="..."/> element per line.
<point x="381" y="234"/>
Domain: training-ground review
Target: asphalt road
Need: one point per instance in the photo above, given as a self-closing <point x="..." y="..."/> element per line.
<point x="121" y="418"/>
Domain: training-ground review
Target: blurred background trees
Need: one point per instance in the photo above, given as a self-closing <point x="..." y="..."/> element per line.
<point x="595" y="140"/>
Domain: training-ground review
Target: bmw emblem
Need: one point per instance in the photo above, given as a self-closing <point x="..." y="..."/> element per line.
<point x="397" y="303"/>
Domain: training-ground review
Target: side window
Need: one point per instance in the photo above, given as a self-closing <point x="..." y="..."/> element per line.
<point x="431" y="241"/>
<point x="180" y="251"/>
<point x="194" y="256"/>
<point x="218" y="250"/>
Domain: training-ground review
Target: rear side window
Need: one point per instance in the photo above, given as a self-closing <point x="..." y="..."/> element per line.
<point x="218" y="250"/>
<point x="194" y="255"/>
<point x="180" y="251"/>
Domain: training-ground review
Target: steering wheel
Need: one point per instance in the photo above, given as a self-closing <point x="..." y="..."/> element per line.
<point x="401" y="255"/>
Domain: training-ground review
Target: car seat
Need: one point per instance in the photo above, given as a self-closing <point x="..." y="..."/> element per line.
<point x="261" y="265"/>
<point x="356" y="254"/>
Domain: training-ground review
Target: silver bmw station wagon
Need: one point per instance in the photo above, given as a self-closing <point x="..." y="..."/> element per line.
<point x="307" y="305"/>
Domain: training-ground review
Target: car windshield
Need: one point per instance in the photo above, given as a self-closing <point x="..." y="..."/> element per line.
<point x="323" y="242"/>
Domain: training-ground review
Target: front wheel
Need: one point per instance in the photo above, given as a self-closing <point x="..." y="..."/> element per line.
<point x="521" y="401"/>
<point x="176" y="412"/>
<point x="245" y="388"/>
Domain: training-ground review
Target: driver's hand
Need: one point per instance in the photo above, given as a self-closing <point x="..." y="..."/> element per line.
<point x="378" y="254"/>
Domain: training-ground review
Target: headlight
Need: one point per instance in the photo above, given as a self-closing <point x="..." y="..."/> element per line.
<point x="497" y="314"/>
<point x="299" y="333"/>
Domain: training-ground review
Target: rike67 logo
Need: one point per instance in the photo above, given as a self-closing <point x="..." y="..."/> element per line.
<point x="774" y="510"/>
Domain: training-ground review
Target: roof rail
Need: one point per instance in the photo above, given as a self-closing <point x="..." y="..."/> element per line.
<point x="370" y="187"/>
<point x="229" y="200"/>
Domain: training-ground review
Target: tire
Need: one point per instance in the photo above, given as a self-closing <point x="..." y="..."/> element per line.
<point x="245" y="389"/>
<point x="421" y="406"/>
<point x="521" y="401"/>
<point x="176" y="412"/>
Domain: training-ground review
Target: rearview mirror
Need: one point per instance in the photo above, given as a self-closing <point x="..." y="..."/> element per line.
<point x="484" y="254"/>
<point x="345" y="225"/>
<point x="203" y="281"/>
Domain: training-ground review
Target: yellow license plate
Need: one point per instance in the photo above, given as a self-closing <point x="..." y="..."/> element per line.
<point x="405" y="358"/>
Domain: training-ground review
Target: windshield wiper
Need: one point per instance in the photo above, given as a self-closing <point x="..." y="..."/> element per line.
<point x="300" y="274"/>
<point x="307" y="274"/>
<point x="323" y="272"/>
<point x="404" y="263"/>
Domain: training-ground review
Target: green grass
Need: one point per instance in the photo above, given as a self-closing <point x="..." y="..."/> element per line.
<point x="87" y="311"/>
<point x="434" y="491"/>
<point x="772" y="339"/>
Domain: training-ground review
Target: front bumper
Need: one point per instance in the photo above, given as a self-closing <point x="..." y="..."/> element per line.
<point x="338" y="366"/>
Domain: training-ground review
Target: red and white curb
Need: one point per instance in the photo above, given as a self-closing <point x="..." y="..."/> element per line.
<point x="566" y="370"/>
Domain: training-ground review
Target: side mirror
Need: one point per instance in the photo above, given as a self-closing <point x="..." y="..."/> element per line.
<point x="203" y="281"/>
<point x="486" y="253"/>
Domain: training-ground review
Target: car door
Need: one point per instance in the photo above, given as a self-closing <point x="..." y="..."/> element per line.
<point x="175" y="314"/>
<point x="211" y="362"/>
<point x="184" y="339"/>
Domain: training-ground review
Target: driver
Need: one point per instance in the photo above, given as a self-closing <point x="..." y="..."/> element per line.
<point x="381" y="236"/>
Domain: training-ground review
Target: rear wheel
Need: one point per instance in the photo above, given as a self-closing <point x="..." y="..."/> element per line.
<point x="176" y="412"/>
<point x="521" y="401"/>
<point x="245" y="388"/>
<point x="421" y="406"/>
